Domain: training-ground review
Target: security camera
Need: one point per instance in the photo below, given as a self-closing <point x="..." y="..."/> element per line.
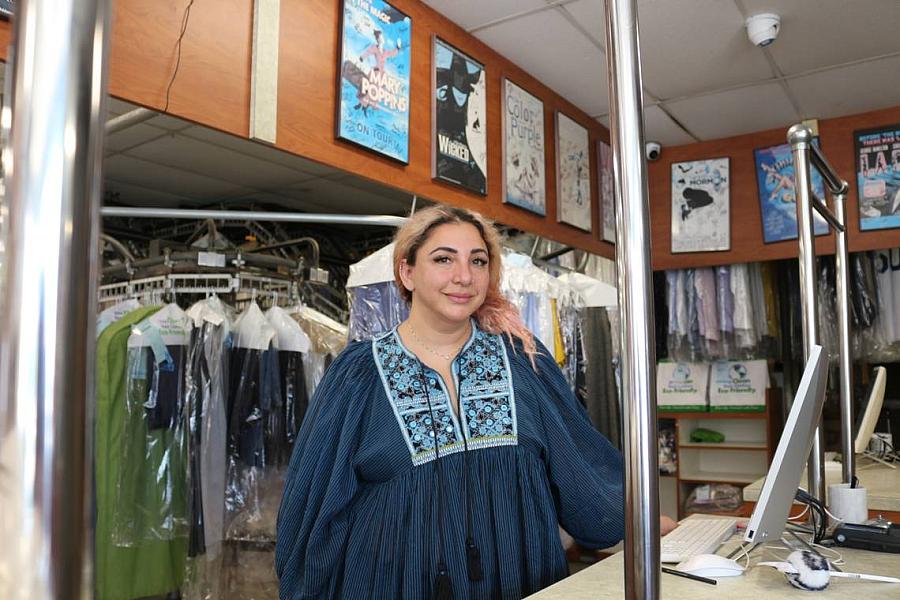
<point x="763" y="29"/>
<point x="653" y="150"/>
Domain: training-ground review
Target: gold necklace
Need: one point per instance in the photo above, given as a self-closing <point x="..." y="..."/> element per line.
<point x="447" y="357"/>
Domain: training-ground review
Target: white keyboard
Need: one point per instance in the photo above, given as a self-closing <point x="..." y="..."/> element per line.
<point x="694" y="536"/>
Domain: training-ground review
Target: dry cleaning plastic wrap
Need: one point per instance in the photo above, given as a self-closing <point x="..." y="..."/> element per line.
<point x="205" y="403"/>
<point x="374" y="309"/>
<point x="267" y="400"/>
<point x="375" y="302"/>
<point x="883" y="343"/>
<point x="151" y="495"/>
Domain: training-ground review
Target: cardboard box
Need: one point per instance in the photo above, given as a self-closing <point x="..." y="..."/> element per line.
<point x="738" y="386"/>
<point x="681" y="387"/>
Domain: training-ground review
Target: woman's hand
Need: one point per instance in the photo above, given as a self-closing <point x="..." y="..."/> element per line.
<point x="666" y="524"/>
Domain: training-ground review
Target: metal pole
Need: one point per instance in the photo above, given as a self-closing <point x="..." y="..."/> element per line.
<point x="635" y="302"/>
<point x="47" y="325"/>
<point x="800" y="137"/>
<point x="129" y="119"/>
<point x="842" y="276"/>
<point x="250" y="215"/>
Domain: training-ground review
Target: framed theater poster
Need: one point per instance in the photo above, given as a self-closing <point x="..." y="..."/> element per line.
<point x="573" y="173"/>
<point x="524" y="167"/>
<point x="878" y="177"/>
<point x="460" y="119"/>
<point x="373" y="80"/>
<point x="606" y="180"/>
<point x="777" y="198"/>
<point x="700" y="206"/>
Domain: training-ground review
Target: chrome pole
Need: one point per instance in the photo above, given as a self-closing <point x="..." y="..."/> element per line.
<point x="251" y="215"/>
<point x="800" y="138"/>
<point x="635" y="302"/>
<point x="47" y="325"/>
<point x="842" y="276"/>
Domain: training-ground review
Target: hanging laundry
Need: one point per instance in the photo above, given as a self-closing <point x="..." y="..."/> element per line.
<point x="150" y="566"/>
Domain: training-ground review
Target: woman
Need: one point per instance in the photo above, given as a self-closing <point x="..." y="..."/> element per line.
<point x="372" y="508"/>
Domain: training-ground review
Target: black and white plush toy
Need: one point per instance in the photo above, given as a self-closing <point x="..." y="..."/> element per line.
<point x="813" y="571"/>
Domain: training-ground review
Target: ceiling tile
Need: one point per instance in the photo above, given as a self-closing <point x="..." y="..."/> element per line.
<point x="167" y="179"/>
<point x="258" y="150"/>
<point x="589" y="14"/>
<point x="119" y="107"/>
<point x="858" y="88"/>
<point x="557" y="54"/>
<point x="820" y="33"/>
<point x="342" y="198"/>
<point x="164" y="121"/>
<point x="210" y="160"/>
<point x="659" y="127"/>
<point x="131" y="137"/>
<point x="470" y="14"/>
<point x="690" y="47"/>
<point x="136" y="195"/>
<point x="735" y="112"/>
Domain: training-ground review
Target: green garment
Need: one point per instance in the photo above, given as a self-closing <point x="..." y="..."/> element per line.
<point x="149" y="567"/>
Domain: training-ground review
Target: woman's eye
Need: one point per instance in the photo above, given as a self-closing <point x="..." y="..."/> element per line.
<point x="442" y="260"/>
<point x="480" y="262"/>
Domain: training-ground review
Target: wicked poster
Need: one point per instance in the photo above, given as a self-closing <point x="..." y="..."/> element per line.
<point x="460" y="128"/>
<point x="700" y="206"/>
<point x="373" y="92"/>
<point x="878" y="177"/>
<point x="573" y="173"/>
<point x="523" y="149"/>
<point x="777" y="198"/>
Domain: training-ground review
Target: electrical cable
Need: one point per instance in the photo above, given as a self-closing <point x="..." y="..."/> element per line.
<point x="184" y="23"/>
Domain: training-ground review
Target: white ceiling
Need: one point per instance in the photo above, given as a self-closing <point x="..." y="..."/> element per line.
<point x="168" y="162"/>
<point x="703" y="79"/>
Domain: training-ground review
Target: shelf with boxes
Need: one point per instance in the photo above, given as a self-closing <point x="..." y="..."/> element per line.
<point x="726" y="424"/>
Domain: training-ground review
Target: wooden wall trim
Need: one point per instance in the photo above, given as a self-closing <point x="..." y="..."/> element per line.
<point x="309" y="69"/>
<point x="213" y="89"/>
<point x="837" y="142"/>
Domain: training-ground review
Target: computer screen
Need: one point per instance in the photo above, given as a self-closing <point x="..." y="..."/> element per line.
<point x="777" y="495"/>
<point x="869" y="417"/>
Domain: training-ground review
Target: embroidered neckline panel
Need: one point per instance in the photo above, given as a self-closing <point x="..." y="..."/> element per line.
<point x="486" y="396"/>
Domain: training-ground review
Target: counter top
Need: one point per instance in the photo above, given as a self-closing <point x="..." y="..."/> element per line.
<point x="605" y="580"/>
<point x="882" y="485"/>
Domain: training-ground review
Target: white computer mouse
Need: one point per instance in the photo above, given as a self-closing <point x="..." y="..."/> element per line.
<point x="710" y="565"/>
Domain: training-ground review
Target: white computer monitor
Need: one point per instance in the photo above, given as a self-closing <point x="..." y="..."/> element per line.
<point x="777" y="495"/>
<point x="869" y="418"/>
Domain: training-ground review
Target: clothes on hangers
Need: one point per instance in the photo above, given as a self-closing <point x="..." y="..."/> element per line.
<point x="150" y="566"/>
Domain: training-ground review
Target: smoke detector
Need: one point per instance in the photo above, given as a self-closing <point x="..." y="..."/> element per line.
<point x="763" y="29"/>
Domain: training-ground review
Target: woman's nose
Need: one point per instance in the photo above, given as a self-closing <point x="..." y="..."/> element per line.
<point x="463" y="273"/>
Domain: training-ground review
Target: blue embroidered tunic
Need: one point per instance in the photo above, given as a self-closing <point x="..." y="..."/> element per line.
<point x="369" y="509"/>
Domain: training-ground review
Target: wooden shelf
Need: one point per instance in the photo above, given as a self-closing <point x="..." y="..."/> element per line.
<point x="710" y="415"/>
<point x="713" y="477"/>
<point x="725" y="446"/>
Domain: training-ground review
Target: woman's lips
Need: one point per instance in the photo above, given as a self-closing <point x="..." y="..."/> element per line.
<point x="459" y="298"/>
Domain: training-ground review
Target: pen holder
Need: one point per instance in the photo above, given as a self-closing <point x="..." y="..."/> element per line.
<point x="847" y="504"/>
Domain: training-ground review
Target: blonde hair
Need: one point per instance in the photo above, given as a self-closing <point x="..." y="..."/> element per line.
<point x="496" y="314"/>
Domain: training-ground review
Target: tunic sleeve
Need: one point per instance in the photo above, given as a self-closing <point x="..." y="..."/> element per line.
<point x="585" y="469"/>
<point x="313" y="520"/>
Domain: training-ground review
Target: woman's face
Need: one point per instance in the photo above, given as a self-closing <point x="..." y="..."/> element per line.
<point x="451" y="276"/>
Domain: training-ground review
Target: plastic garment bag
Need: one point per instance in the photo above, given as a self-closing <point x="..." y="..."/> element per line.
<point x="112" y="314"/>
<point x="151" y="484"/>
<point x="327" y="337"/>
<point x="205" y="403"/>
<point x="289" y="406"/>
<point x="253" y="382"/>
<point x="375" y="302"/>
<point x="374" y="309"/>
